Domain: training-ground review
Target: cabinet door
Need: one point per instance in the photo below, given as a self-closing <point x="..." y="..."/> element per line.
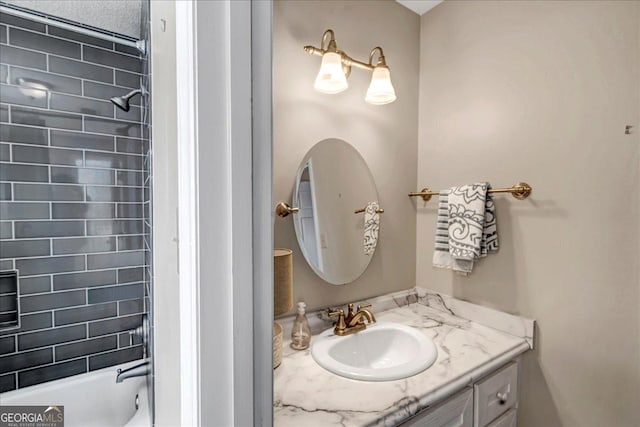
<point x="453" y="412"/>
<point x="507" y="420"/>
<point x="495" y="395"/>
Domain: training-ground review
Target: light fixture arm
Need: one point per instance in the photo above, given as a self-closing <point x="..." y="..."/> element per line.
<point x="332" y="46"/>
<point x="381" y="60"/>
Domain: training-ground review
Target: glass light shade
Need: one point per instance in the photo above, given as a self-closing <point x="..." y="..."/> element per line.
<point x="331" y="78"/>
<point x="380" y="90"/>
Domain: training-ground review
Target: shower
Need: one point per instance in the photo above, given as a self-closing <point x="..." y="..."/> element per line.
<point x="122" y="102"/>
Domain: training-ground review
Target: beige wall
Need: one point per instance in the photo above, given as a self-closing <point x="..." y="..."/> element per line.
<point x="386" y="136"/>
<point x="541" y="92"/>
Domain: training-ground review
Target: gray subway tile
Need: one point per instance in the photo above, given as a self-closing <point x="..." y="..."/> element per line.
<point x="6" y="231"/>
<point x="16" y="21"/>
<point x="52" y="300"/>
<point x="5" y="152"/>
<point x="111" y="59"/>
<point x="51" y="372"/>
<point x="52" y="82"/>
<point x="3" y="33"/>
<point x="84" y="245"/>
<point x="130" y="243"/>
<point x="23" y="57"/>
<point x="84" y="280"/>
<point x="16" y="210"/>
<point x="132" y="306"/>
<point x="104" y="327"/>
<point x="16" y="172"/>
<point x="113" y="161"/>
<point x="23" y="135"/>
<point x="106" y="92"/>
<point x="128" y="145"/>
<point x="30" y="229"/>
<point x="84" y="348"/>
<point x="35" y="285"/>
<point x="25" y="360"/>
<point x="6" y="265"/>
<point x="85" y="314"/>
<point x="133" y="115"/>
<point x="4" y="73"/>
<point x="37" y="266"/>
<point x="9" y="303"/>
<point x="111" y="227"/>
<point x="115" y="293"/>
<point x="48" y="337"/>
<point x="82" y="176"/>
<point x="80" y="69"/>
<point x="24" y="248"/>
<point x="113" y="358"/>
<point x="128" y="275"/>
<point x="8" y="382"/>
<point x="114" y="194"/>
<point x="23" y="96"/>
<point x="50" y="192"/>
<point x="31" y="322"/>
<point x="82" y="210"/>
<point x="73" y="35"/>
<point x="77" y="104"/>
<point x="129" y="50"/>
<point x="4" y="113"/>
<point x="45" y="43"/>
<point x="133" y="178"/>
<point x="5" y="191"/>
<point x="7" y="345"/>
<point x="46" y="118"/>
<point x="49" y="156"/>
<point x="81" y="140"/>
<point x="120" y="259"/>
<point x="127" y="79"/>
<point x="129" y="210"/>
<point x="8" y="284"/>
<point x="127" y="340"/>
<point x="111" y="127"/>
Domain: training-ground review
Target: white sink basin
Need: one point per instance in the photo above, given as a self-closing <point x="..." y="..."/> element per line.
<point x="382" y="352"/>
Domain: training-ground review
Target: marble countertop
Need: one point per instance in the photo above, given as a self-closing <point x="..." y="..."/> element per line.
<point x="307" y="395"/>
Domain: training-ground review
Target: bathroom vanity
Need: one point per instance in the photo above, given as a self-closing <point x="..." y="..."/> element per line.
<point x="473" y="382"/>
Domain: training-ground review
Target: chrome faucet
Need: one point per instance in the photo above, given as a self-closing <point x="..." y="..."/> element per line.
<point x="353" y="321"/>
<point x="135" y="371"/>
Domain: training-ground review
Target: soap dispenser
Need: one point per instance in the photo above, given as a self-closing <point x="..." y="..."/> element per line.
<point x="301" y="332"/>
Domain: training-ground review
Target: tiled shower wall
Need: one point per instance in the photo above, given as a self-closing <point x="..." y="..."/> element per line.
<point x="74" y="196"/>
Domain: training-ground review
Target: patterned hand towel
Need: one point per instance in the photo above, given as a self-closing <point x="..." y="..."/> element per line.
<point x="466" y="229"/>
<point x="371" y="227"/>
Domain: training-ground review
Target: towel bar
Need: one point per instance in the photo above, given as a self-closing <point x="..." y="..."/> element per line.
<point x="357" y="211"/>
<point x="520" y="191"/>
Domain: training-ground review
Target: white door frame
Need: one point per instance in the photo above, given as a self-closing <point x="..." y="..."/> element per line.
<point x="223" y="73"/>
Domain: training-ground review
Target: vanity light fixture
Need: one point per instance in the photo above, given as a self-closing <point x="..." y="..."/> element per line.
<point x="336" y="67"/>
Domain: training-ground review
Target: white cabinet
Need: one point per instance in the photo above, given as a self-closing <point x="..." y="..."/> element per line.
<point x="491" y="402"/>
<point x="495" y="394"/>
<point x="456" y="411"/>
<point x="509" y="419"/>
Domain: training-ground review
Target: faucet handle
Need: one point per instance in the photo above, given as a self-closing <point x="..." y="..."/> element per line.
<point x="340" y="325"/>
<point x="360" y="307"/>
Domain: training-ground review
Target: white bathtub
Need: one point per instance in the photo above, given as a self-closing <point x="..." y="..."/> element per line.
<point x="92" y="399"/>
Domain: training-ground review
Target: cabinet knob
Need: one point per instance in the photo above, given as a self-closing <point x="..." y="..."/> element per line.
<point x="502" y="397"/>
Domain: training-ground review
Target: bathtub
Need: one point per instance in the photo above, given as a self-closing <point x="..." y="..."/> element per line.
<point x="92" y="399"/>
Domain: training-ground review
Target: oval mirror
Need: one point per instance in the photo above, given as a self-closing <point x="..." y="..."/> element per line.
<point x="333" y="182"/>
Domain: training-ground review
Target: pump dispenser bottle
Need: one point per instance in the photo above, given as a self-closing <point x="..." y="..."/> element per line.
<point x="301" y="332"/>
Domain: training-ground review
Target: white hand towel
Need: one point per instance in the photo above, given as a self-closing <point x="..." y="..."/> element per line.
<point x="466" y="229"/>
<point x="371" y="227"/>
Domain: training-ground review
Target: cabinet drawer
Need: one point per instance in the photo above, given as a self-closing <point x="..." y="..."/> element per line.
<point x="507" y="420"/>
<point x="454" y="412"/>
<point x="496" y="394"/>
